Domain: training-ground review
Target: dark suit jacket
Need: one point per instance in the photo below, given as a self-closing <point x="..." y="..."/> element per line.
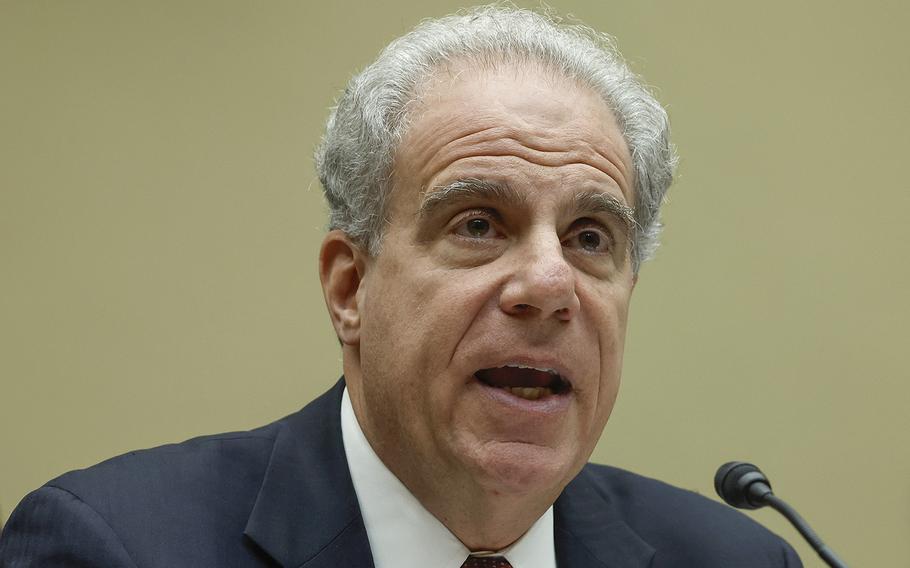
<point x="282" y="495"/>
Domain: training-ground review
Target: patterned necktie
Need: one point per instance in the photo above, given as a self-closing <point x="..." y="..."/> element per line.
<point x="486" y="562"/>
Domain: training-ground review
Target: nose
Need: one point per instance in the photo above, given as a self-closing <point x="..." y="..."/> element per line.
<point x="542" y="283"/>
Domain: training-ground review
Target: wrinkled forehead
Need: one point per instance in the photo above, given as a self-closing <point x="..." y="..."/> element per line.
<point x="467" y="109"/>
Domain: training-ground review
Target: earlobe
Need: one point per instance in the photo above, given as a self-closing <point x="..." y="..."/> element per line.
<point x="341" y="269"/>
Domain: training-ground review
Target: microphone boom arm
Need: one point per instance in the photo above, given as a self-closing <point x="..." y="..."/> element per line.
<point x="744" y="486"/>
<point x="800" y="524"/>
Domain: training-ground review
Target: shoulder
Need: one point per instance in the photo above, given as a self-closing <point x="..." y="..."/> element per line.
<point x="683" y="527"/>
<point x="186" y="504"/>
<point x="644" y="502"/>
<point x="207" y="465"/>
<point x="168" y="502"/>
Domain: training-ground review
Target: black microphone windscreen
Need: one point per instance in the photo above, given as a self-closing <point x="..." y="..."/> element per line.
<point x="733" y="480"/>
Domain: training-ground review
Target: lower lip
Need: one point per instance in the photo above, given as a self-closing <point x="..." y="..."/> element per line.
<point x="550" y="404"/>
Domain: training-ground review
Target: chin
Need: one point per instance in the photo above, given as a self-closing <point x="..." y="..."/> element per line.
<point x="520" y="468"/>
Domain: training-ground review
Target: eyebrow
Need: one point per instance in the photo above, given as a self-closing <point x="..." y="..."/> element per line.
<point x="467" y="189"/>
<point x="584" y="203"/>
<point x="598" y="202"/>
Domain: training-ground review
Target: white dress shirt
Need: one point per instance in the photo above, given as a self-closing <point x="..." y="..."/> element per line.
<point x="402" y="533"/>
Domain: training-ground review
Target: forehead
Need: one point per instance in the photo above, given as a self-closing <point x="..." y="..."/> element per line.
<point x="468" y="118"/>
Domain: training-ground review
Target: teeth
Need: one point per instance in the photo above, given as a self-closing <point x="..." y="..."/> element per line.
<point x="520" y="366"/>
<point x="530" y="393"/>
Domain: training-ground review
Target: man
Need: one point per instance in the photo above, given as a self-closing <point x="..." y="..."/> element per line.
<point x="494" y="181"/>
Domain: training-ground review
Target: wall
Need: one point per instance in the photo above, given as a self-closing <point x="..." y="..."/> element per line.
<point x="159" y="221"/>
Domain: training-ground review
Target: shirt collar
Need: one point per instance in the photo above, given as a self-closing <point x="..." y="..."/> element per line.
<point x="402" y="533"/>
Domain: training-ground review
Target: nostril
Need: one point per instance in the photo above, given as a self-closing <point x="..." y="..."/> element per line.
<point x="522" y="307"/>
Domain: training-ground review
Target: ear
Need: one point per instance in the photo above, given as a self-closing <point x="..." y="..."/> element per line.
<point x="341" y="269"/>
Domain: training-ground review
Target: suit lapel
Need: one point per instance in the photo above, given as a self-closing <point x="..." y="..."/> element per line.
<point x="306" y="513"/>
<point x="589" y="532"/>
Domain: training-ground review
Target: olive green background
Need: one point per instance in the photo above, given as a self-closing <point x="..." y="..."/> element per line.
<point x="160" y="219"/>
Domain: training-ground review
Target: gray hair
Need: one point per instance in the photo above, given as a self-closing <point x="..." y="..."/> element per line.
<point x="354" y="159"/>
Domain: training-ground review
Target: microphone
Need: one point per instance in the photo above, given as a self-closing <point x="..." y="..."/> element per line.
<point x="744" y="486"/>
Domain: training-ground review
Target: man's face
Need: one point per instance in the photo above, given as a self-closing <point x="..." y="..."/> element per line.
<point x="492" y="322"/>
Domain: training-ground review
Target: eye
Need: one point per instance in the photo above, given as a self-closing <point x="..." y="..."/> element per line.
<point x="476" y="225"/>
<point x="589" y="239"/>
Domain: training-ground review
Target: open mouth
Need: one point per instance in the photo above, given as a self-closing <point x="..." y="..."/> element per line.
<point x="529" y="383"/>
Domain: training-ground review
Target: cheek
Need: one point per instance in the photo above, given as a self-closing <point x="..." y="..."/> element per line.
<point x="415" y="316"/>
<point x="412" y="326"/>
<point x="432" y="301"/>
<point x="611" y="331"/>
<point x="612" y="310"/>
